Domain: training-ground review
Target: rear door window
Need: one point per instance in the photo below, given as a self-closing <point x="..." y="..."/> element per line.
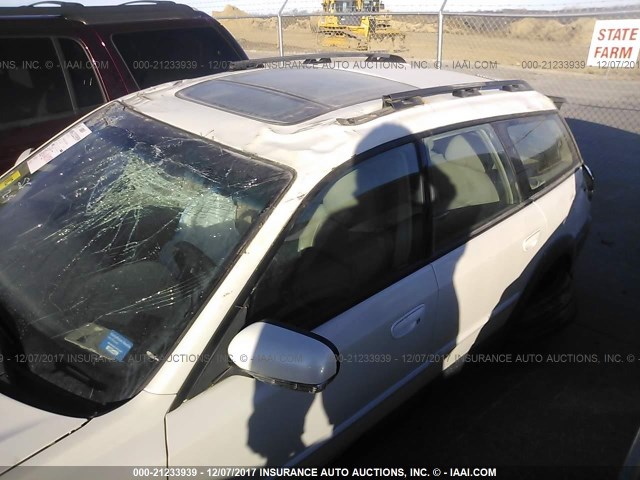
<point x="471" y="180"/>
<point x="358" y="235"/>
<point x="32" y="83"/>
<point x="160" y="56"/>
<point x="543" y="147"/>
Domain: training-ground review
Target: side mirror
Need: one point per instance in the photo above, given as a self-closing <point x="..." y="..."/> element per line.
<point x="23" y="156"/>
<point x="280" y="356"/>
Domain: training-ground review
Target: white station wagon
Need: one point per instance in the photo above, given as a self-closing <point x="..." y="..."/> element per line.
<point x="249" y="268"/>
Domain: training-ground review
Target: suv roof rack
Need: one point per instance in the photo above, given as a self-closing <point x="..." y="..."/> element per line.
<point x="315" y="58"/>
<point x="128" y="12"/>
<point x="411" y="98"/>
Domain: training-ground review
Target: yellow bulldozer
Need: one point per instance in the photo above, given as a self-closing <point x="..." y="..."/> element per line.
<point x="346" y="24"/>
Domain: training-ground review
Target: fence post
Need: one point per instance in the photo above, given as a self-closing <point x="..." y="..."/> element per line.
<point x="280" y="36"/>
<point x="440" y="35"/>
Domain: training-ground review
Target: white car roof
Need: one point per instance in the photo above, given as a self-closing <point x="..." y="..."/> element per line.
<point x="291" y="115"/>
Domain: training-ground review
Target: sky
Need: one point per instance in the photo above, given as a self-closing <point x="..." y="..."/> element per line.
<point x="272" y="6"/>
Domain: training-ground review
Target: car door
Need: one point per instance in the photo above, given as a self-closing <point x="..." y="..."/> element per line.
<point x="352" y="269"/>
<point x="485" y="236"/>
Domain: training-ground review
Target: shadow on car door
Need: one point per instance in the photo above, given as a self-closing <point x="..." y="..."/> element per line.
<point x="355" y="267"/>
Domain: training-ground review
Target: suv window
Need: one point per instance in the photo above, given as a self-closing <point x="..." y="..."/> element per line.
<point x="354" y="237"/>
<point x="32" y="85"/>
<point x="470" y="180"/>
<point x="155" y="57"/>
<point x="543" y="147"/>
<point x="83" y="79"/>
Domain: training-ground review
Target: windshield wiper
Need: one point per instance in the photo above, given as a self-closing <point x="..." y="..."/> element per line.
<point x="76" y="373"/>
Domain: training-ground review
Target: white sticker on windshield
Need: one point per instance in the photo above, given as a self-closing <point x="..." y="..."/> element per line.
<point x="55" y="148"/>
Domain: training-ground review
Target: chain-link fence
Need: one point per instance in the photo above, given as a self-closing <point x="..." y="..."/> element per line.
<point x="550" y="53"/>
<point x="547" y="49"/>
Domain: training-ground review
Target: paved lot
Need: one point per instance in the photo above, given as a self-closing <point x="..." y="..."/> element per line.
<point x="562" y="416"/>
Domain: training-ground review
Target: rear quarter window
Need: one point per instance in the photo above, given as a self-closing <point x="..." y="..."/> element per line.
<point x="544" y="149"/>
<point x="159" y="56"/>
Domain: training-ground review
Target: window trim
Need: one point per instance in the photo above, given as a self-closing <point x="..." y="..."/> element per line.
<point x="65" y="73"/>
<point x="92" y="61"/>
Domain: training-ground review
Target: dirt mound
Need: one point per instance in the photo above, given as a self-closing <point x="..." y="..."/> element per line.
<point x="583" y="28"/>
<point x="300" y="23"/>
<point x="243" y="26"/>
<point x="230" y="11"/>
<point x="552" y="30"/>
<point x="419" y="26"/>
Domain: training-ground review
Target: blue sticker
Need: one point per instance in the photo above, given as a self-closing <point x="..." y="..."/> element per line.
<point x="116" y="346"/>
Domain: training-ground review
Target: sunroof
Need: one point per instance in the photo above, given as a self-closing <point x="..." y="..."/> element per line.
<point x="287" y="96"/>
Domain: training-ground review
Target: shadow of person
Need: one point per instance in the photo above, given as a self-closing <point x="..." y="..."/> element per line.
<point x="352" y="264"/>
<point x="277" y="423"/>
<point x="342" y="407"/>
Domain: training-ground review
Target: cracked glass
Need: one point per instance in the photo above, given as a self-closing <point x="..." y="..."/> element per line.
<point x="112" y="239"/>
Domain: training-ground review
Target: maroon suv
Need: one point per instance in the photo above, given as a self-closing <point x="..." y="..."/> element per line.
<point x="59" y="61"/>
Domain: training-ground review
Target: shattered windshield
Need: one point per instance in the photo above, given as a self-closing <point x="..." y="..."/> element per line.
<point x="112" y="237"/>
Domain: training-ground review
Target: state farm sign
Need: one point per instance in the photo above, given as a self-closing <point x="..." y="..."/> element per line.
<point x="614" y="40"/>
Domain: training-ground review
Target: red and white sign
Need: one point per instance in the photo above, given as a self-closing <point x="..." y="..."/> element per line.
<point x="614" y="40"/>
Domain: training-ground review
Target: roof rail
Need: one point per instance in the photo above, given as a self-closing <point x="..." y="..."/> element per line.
<point x="406" y="99"/>
<point x="131" y="11"/>
<point x="60" y="3"/>
<point x="315" y="58"/>
<point x="149" y="2"/>
<point x="412" y="98"/>
<point x="55" y="2"/>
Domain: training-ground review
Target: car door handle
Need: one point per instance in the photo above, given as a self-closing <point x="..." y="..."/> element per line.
<point x="408" y="322"/>
<point x="531" y="241"/>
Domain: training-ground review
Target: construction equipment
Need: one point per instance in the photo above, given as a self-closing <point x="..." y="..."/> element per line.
<point x="342" y="26"/>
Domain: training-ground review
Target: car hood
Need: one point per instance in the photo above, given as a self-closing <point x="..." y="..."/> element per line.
<point x="25" y="430"/>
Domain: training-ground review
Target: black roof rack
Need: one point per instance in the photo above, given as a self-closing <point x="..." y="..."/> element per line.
<point x="128" y="12"/>
<point x="405" y="99"/>
<point x="316" y="58"/>
<point x="412" y="98"/>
